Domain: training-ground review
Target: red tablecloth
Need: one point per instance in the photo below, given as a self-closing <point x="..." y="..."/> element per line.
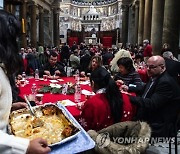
<point x="55" y="97"/>
<point x="127" y="106"/>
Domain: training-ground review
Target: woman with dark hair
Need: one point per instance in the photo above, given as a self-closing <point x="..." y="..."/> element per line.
<point x="9" y="64"/>
<point x="127" y="78"/>
<point x="106" y="106"/>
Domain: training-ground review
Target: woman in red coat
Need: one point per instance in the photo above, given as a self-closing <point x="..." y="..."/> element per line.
<point x="106" y="107"/>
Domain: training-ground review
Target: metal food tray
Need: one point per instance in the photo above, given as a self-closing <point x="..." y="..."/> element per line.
<point x="64" y="111"/>
<point x="81" y="143"/>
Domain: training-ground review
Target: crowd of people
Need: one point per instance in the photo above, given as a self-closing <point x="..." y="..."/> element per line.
<point x="112" y="71"/>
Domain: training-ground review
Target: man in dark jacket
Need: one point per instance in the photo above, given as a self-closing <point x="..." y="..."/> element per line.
<point x="172" y="65"/>
<point x="53" y="68"/>
<point x="160" y="101"/>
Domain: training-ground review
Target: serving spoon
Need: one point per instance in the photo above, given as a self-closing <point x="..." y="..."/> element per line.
<point x="37" y="122"/>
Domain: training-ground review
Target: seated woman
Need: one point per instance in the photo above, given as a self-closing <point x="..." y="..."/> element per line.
<point x="106" y="106"/>
<point x="127" y="78"/>
<point x="96" y="61"/>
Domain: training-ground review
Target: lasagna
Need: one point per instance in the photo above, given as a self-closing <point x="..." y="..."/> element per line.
<point x="49" y="123"/>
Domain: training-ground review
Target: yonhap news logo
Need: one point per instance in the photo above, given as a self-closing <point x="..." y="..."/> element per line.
<point x="104" y="139"/>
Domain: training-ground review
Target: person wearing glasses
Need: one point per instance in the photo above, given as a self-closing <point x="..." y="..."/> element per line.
<point x="159" y="103"/>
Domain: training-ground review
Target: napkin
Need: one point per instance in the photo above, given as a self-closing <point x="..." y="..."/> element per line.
<point x="55" y="85"/>
<point x="84" y="82"/>
<point x="67" y="102"/>
<point x="53" y="81"/>
<point x="60" y="79"/>
<point x="86" y="92"/>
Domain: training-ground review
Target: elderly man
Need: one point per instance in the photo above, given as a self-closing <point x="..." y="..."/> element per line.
<point x="172" y="65"/>
<point x="159" y="103"/>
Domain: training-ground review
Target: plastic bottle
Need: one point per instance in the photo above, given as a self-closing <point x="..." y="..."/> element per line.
<point x="23" y="76"/>
<point x="77" y="76"/>
<point x="33" y="88"/>
<point x="64" y="89"/>
<point x="36" y="74"/>
<point x="77" y="94"/>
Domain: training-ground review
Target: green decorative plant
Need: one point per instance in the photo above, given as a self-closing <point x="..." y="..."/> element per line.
<point x="55" y="90"/>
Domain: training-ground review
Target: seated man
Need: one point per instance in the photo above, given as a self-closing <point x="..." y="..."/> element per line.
<point x="75" y="60"/>
<point x="53" y="68"/>
<point x="159" y="103"/>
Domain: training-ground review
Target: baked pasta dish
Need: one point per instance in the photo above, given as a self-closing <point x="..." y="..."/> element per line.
<point x="49" y="123"/>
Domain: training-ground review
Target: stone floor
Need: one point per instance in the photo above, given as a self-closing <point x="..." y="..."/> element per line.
<point x="162" y="148"/>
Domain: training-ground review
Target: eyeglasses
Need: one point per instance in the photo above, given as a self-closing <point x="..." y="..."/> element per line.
<point x="153" y="66"/>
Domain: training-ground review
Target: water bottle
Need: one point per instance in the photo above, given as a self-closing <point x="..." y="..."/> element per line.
<point x="36" y="74"/>
<point x="64" y="89"/>
<point x="77" y="76"/>
<point x="77" y="94"/>
<point x="23" y="76"/>
<point x="33" y="88"/>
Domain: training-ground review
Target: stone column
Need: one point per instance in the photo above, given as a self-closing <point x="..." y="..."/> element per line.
<point x="117" y="36"/>
<point x="147" y="19"/>
<point x="33" y="25"/>
<point x="125" y="12"/>
<point x="131" y="25"/>
<point x="171" y="24"/>
<point x="99" y="31"/>
<point x="24" y="24"/>
<point x="157" y="26"/>
<point x="136" y="21"/>
<point x="83" y="33"/>
<point x="56" y="27"/>
<point x="41" y="26"/>
<point x="141" y="22"/>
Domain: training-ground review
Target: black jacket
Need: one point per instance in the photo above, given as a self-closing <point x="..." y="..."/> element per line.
<point x="52" y="70"/>
<point x="173" y="68"/>
<point x="161" y="105"/>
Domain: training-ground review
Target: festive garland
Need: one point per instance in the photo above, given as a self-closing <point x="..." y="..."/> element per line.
<point x="57" y="90"/>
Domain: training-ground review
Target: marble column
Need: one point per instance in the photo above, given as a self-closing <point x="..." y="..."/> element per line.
<point x="171" y="24"/>
<point x="47" y="29"/>
<point x="136" y="21"/>
<point x="24" y="24"/>
<point x="141" y="21"/>
<point x="125" y="15"/>
<point x="41" y="26"/>
<point x="56" y="27"/>
<point x="147" y="19"/>
<point x="157" y="26"/>
<point x="33" y="25"/>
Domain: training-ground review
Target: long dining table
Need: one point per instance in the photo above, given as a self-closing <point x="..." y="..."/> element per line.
<point x="54" y="98"/>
